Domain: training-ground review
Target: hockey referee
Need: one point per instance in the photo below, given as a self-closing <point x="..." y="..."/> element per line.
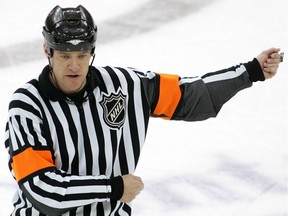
<point x="75" y="133"/>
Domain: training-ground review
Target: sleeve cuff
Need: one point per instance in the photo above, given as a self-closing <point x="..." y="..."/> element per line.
<point x="117" y="186"/>
<point x="254" y="70"/>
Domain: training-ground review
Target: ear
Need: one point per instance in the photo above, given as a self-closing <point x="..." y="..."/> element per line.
<point x="46" y="51"/>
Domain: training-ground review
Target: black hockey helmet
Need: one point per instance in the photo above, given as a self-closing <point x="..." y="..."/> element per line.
<point x="70" y="29"/>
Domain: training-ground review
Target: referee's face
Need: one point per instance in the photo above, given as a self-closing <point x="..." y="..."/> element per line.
<point x="70" y="70"/>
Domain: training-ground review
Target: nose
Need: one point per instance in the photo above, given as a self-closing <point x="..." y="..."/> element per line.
<point x="74" y="65"/>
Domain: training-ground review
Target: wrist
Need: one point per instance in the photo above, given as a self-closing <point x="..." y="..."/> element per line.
<point x="117" y="186"/>
<point x="254" y="70"/>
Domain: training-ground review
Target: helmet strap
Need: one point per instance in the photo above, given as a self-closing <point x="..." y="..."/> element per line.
<point x="50" y="65"/>
<point x="93" y="57"/>
<point x="50" y="52"/>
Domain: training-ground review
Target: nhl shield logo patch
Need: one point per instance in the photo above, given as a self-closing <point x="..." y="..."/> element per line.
<point x="114" y="106"/>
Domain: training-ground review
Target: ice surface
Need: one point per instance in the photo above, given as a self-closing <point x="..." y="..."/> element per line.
<point x="235" y="164"/>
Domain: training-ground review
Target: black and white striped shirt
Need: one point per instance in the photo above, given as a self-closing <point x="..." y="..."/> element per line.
<point x="67" y="152"/>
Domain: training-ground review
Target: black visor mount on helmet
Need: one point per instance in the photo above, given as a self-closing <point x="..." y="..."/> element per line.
<point x="70" y="29"/>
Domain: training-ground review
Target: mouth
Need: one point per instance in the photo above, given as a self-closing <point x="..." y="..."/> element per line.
<point x="73" y="76"/>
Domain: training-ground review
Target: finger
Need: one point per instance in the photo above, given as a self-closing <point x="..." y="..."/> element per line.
<point x="271" y="67"/>
<point x="268" y="75"/>
<point x="268" y="72"/>
<point x="138" y="178"/>
<point x="272" y="50"/>
<point x="276" y="57"/>
<point x="274" y="60"/>
<point x="141" y="186"/>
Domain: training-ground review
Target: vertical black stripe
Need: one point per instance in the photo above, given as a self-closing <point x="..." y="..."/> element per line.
<point x="28" y="212"/>
<point x="74" y="136"/>
<point x="156" y="92"/>
<point x="87" y="143"/>
<point x="100" y="209"/>
<point x="87" y="210"/>
<point x="18" y="202"/>
<point x="60" y="136"/>
<point x="22" y="131"/>
<point x="127" y="209"/>
<point x="123" y="158"/>
<point x="146" y="108"/>
<point x="18" y="144"/>
<point x="36" y="143"/>
<point x="114" y="147"/>
<point x="17" y="141"/>
<point x="132" y="116"/>
<point x="102" y="85"/>
<point x="7" y="138"/>
<point x="100" y="135"/>
<point x="72" y="212"/>
<point x="46" y="132"/>
<point x="33" y="133"/>
<point x="113" y="206"/>
<point x="117" y="85"/>
<point x="117" y="212"/>
<point x="114" y="77"/>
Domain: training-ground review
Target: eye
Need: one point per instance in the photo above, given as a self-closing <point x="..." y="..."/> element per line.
<point x="65" y="57"/>
<point x="82" y="56"/>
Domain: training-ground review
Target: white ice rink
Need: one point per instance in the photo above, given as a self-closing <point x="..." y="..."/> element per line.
<point x="232" y="165"/>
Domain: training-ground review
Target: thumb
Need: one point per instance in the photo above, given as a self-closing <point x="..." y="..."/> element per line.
<point x="271" y="51"/>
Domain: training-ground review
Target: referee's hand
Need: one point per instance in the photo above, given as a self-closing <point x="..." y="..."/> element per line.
<point x="133" y="185"/>
<point x="269" y="61"/>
